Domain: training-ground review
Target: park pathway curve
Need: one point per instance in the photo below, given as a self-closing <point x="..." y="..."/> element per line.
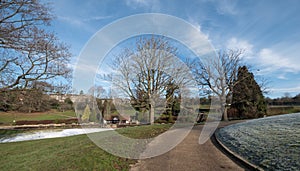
<point x="191" y="156"/>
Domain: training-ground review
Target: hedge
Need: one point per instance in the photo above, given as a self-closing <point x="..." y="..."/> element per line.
<point x="57" y="121"/>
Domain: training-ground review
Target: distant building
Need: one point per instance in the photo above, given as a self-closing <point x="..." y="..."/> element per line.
<point x="117" y="118"/>
<point x="63" y="97"/>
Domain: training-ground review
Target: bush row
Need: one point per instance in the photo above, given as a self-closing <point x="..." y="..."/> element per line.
<point x="57" y="121"/>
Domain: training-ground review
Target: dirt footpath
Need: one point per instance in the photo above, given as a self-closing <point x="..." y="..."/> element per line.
<point x="189" y="156"/>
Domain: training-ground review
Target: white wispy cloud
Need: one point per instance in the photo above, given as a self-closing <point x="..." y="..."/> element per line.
<point x="197" y="39"/>
<point x="82" y="23"/>
<point x="282" y="76"/>
<point x="278" y="62"/>
<point x="70" y="20"/>
<point x="137" y="2"/>
<point x="234" y="43"/>
<point x="295" y="89"/>
<point x="75" y="22"/>
<point x="96" y="18"/>
<point x="195" y="23"/>
<point x="226" y="7"/>
<point x="283" y="57"/>
<point x="153" y="5"/>
<point x="272" y="60"/>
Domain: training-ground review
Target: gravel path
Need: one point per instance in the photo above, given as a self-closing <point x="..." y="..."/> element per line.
<point x="189" y="156"/>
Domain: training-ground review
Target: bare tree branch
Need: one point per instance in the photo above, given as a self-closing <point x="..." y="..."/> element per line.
<point x="219" y="73"/>
<point x="27" y="52"/>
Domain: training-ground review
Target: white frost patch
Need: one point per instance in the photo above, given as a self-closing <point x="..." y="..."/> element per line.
<point x="53" y="133"/>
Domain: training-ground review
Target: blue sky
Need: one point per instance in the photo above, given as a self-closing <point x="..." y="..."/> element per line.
<point x="268" y="31"/>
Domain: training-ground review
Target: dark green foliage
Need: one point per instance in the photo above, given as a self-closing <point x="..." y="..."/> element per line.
<point x="66" y="105"/>
<point x="6" y="100"/>
<point x="247" y="99"/>
<point x="107" y="104"/>
<point x="172" y="103"/>
<point x="93" y="116"/>
<point x="286" y="101"/>
<point x="205" y="101"/>
<point x="25" y="100"/>
<point x="54" y="103"/>
<point x="81" y="92"/>
<point x="68" y="101"/>
<point x="140" y="103"/>
<point x="296" y="99"/>
<point x="57" y="121"/>
<point x="100" y="115"/>
<point x="176" y="106"/>
<point x="31" y="100"/>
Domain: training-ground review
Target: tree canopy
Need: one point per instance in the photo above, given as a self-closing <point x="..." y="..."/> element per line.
<point x="28" y="51"/>
<point x="218" y="75"/>
<point x="145" y="73"/>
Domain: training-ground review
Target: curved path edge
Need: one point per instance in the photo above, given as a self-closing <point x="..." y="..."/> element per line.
<point x="236" y="156"/>
<point x="192" y="156"/>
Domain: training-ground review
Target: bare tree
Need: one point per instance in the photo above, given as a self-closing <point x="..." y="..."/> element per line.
<point x="219" y="74"/>
<point x="27" y="51"/>
<point x="143" y="74"/>
<point x="97" y="91"/>
<point x="264" y="84"/>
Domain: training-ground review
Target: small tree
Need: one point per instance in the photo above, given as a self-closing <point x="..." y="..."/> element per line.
<point x="172" y="102"/>
<point x="86" y="114"/>
<point x="81" y="92"/>
<point x="106" y="107"/>
<point x="93" y="116"/>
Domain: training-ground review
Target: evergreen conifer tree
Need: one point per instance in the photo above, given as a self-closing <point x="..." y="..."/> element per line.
<point x="86" y="114"/>
<point x="247" y="96"/>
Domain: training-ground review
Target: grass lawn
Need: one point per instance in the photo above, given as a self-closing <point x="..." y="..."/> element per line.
<point x="278" y="110"/>
<point x="8" y="117"/>
<point x="69" y="153"/>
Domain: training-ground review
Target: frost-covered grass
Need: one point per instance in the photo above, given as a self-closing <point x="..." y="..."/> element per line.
<point x="47" y="133"/>
<point x="273" y="143"/>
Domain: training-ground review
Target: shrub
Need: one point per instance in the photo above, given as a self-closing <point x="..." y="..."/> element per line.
<point x="86" y="114"/>
<point x="57" y="121"/>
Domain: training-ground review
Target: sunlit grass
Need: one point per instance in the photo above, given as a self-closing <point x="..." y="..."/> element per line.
<point x="69" y="153"/>
<point x="8" y="117"/>
<point x="278" y="110"/>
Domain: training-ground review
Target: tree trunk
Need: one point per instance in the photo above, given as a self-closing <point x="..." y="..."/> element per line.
<point x="151" y="112"/>
<point x="224" y="110"/>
